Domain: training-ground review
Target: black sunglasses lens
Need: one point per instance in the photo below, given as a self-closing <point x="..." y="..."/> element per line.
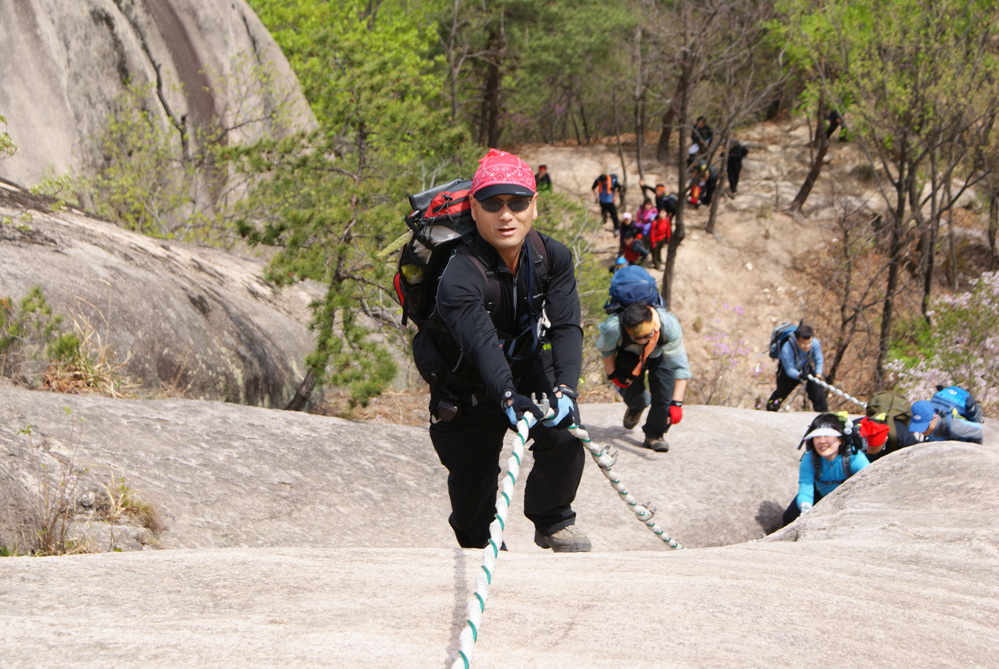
<point x="493" y="205"/>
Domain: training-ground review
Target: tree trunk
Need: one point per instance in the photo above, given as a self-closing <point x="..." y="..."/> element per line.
<point x="303" y="393"/>
<point x="620" y="154"/>
<point x="719" y="187"/>
<point x="639" y="99"/>
<point x="489" y="130"/>
<point x="679" y="229"/>
<point x="993" y="220"/>
<point x="894" y="261"/>
<point x="813" y="174"/>
<point x="662" y="149"/>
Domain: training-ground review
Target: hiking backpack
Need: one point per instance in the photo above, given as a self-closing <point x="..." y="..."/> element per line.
<point x="632" y="284"/>
<point x="886" y="407"/>
<point x="441" y="217"/>
<point x="954" y="398"/>
<point x="778" y="336"/>
<point x="440" y="223"/>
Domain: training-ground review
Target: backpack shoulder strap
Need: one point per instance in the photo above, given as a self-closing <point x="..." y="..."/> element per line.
<point x="492" y="285"/>
<point x="543" y="263"/>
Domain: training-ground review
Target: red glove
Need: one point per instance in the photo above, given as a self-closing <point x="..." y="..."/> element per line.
<point x="675" y="412"/>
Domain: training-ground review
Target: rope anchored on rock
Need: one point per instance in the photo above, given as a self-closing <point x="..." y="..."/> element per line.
<point x="836" y="390"/>
<point x="644" y="512"/>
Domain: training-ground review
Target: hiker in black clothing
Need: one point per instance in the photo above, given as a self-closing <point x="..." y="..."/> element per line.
<point x="662" y="198"/>
<point x="736" y="152"/>
<point x="503" y="294"/>
<point x="835" y="122"/>
<point x="543" y="179"/>
<point x="702" y="134"/>
<point x="800" y="356"/>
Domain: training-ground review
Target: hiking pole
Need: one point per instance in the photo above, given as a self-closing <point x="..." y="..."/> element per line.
<point x="604" y="460"/>
<point x="839" y="392"/>
<point x="477" y="604"/>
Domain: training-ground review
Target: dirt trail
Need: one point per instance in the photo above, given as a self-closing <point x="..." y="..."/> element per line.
<point x="734" y="286"/>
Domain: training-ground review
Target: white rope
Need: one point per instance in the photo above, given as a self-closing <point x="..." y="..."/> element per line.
<point x="644" y="512"/>
<point x="477" y="603"/>
<point x="836" y="390"/>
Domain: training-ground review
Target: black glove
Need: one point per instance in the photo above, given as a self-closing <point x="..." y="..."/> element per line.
<point x="517" y="405"/>
<point x="620" y="379"/>
<point x="566" y="409"/>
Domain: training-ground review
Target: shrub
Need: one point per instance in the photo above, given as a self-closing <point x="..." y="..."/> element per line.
<point x="959" y="346"/>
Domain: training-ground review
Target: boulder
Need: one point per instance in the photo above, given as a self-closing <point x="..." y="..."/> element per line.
<point x="322" y="542"/>
<point x="173" y="317"/>
<point x="68" y="62"/>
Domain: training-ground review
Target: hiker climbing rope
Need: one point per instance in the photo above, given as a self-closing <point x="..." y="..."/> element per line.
<point x="477" y="604"/>
<point x="836" y="390"/>
<point x="644" y="512"/>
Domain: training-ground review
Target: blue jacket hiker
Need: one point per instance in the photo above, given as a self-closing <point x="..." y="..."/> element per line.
<point x="800" y="356"/>
<point x="828" y="461"/>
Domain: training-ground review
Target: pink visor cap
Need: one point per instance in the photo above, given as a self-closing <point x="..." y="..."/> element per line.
<point x="502" y="173"/>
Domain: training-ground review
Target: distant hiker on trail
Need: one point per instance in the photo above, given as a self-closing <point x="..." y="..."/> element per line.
<point x="700" y="136"/>
<point x="834" y="124"/>
<point x="703" y="180"/>
<point x="828" y="461"/>
<point x="632" y="249"/>
<point x="645" y="215"/>
<point x="930" y="424"/>
<point x="799" y="356"/>
<point x="490" y="360"/>
<point x="543" y="179"/>
<point x="605" y="187"/>
<point x="659" y="234"/>
<point x="736" y="152"/>
<point x="646" y="340"/>
<point x="662" y="198"/>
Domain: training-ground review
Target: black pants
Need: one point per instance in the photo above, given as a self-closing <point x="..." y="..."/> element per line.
<point x="785" y="385"/>
<point x="658" y="396"/>
<point x="733" y="176"/>
<point x="469" y="446"/>
<point x="609" y="208"/>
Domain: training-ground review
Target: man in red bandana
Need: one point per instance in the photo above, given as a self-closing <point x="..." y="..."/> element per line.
<point x="505" y="292"/>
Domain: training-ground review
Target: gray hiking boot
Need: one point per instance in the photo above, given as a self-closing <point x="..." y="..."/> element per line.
<point x="567" y="540"/>
<point x="657" y="444"/>
<point x="631" y="417"/>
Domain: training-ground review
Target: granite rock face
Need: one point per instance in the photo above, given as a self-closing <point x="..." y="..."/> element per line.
<point x="302" y="540"/>
<point x="65" y="64"/>
<point x="177" y="318"/>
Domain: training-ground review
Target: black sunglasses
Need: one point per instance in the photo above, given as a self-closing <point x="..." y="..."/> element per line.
<point x="492" y="205"/>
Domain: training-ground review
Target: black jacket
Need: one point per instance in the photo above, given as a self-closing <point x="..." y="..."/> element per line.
<point x="477" y="332"/>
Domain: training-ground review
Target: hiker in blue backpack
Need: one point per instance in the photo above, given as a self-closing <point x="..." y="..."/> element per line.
<point x="829" y="460"/>
<point x="506" y="295"/>
<point x="930" y="424"/>
<point x="646" y="341"/>
<point x="799" y="356"/>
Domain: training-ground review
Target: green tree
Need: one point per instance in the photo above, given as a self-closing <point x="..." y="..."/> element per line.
<point x="335" y="195"/>
<point x="921" y="76"/>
